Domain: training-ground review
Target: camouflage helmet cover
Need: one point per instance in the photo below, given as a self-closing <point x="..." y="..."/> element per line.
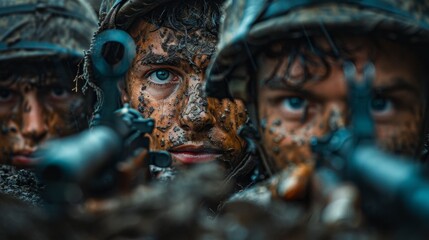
<point x="252" y="23"/>
<point x="51" y="28"/>
<point x="122" y="13"/>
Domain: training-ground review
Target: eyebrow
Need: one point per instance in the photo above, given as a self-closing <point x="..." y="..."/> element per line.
<point x="399" y="84"/>
<point x="279" y="84"/>
<point x="157" y="59"/>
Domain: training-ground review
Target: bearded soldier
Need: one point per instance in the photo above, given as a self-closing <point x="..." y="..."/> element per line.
<point x="175" y="41"/>
<point x="291" y="62"/>
<point x="41" y="43"/>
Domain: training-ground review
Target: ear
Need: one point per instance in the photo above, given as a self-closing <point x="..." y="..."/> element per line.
<point x="125" y="98"/>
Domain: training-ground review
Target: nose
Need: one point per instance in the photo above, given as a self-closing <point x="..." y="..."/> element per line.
<point x="335" y="116"/>
<point x="34" y="126"/>
<point x="196" y="115"/>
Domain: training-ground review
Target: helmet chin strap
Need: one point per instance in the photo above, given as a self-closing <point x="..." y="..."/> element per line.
<point x="254" y="135"/>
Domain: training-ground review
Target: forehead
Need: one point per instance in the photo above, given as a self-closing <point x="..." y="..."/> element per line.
<point x="166" y="40"/>
<point x="37" y="73"/>
<point x="316" y="58"/>
<point x="340" y="47"/>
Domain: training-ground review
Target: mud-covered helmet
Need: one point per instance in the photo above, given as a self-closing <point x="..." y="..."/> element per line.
<point x="250" y="24"/>
<point x="30" y="29"/>
<point x="121" y="14"/>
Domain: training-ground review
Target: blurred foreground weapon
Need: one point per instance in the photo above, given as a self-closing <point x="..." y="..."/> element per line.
<point x="87" y="162"/>
<point x="394" y="190"/>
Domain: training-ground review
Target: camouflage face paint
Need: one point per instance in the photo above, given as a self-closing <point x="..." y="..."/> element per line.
<point x="35" y="107"/>
<point x="292" y="114"/>
<point x="166" y="83"/>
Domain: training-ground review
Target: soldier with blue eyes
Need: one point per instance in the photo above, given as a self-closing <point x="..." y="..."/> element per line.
<point x="175" y="41"/>
<point x="41" y="45"/>
<point x="293" y="112"/>
<point x="286" y="60"/>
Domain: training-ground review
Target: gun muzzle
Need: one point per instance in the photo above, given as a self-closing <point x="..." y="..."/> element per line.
<point x="77" y="158"/>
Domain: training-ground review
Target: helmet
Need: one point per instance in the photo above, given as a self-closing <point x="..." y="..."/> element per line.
<point x="252" y="23"/>
<point x="95" y="4"/>
<point x="121" y="14"/>
<point x="45" y="28"/>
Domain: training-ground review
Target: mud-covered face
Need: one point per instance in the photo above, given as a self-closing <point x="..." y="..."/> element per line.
<point x="166" y="83"/>
<point x="290" y="114"/>
<point x="36" y="104"/>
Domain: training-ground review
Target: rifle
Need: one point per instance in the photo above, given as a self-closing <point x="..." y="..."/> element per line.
<point x="394" y="189"/>
<point x="86" y="163"/>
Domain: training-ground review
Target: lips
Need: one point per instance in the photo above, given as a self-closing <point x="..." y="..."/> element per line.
<point x="194" y="153"/>
<point x="24" y="159"/>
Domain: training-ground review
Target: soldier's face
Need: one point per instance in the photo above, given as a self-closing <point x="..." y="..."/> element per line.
<point x="166" y="82"/>
<point x="292" y="114"/>
<point x="36" y="104"/>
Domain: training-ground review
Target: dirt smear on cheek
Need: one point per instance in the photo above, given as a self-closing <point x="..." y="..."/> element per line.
<point x="7" y="140"/>
<point x="403" y="137"/>
<point x="177" y="137"/>
<point x="403" y="140"/>
<point x="67" y="119"/>
<point x="164" y="115"/>
<point x="196" y="106"/>
<point x="286" y="147"/>
<point x="144" y="104"/>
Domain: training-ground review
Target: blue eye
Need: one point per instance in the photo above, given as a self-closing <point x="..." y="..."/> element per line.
<point x="381" y="105"/>
<point x="161" y="76"/>
<point x="294" y="104"/>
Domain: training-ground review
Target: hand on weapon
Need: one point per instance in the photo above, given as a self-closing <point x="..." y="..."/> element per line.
<point x="293" y="183"/>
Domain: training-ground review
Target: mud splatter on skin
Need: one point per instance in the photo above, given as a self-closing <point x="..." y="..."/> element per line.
<point x="286" y="128"/>
<point x="183" y="114"/>
<point x="283" y="143"/>
<point x="35" y="108"/>
<point x="403" y="137"/>
<point x="6" y="141"/>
